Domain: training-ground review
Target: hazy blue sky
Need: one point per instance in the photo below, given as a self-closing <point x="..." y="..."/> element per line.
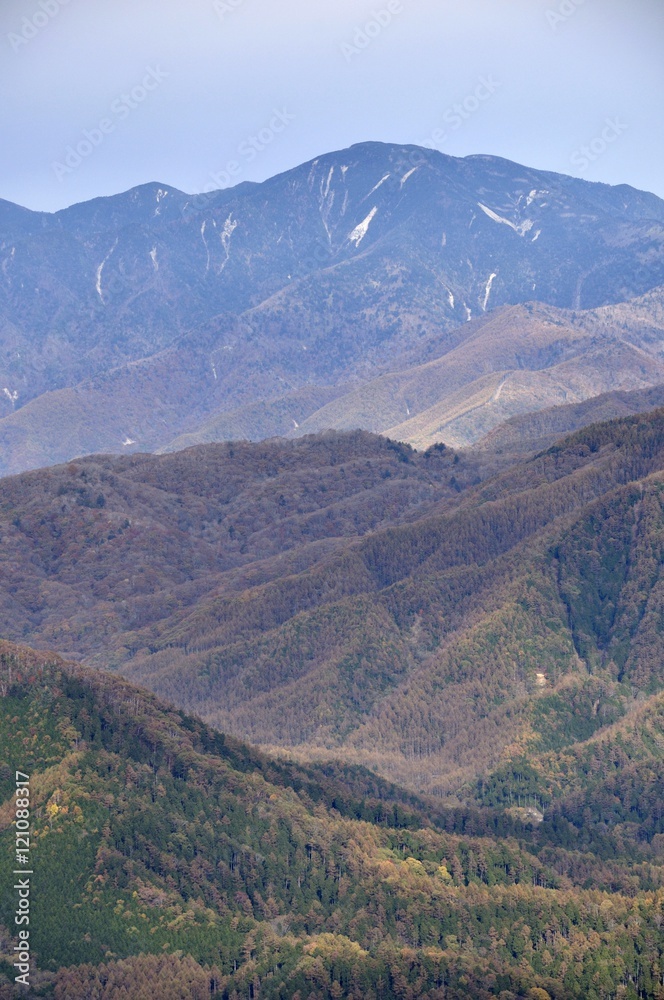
<point x="175" y="90"/>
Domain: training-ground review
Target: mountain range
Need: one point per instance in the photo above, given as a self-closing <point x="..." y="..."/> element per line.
<point x="176" y="862"/>
<point x="385" y="287"/>
<point x="331" y="594"/>
<point x="425" y="614"/>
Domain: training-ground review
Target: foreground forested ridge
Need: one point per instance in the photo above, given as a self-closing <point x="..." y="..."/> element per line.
<point x="222" y="871"/>
<point x="420" y="613"/>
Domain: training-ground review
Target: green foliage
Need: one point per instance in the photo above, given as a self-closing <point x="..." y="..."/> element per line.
<point x="517" y="783"/>
<point x="576" y="713"/>
<point x="296" y="596"/>
<point x="506" y="649"/>
<point x="169" y="856"/>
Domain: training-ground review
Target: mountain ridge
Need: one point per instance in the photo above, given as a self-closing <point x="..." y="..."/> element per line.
<point x="325" y="275"/>
<point x="174" y="859"/>
<point x="324" y="594"/>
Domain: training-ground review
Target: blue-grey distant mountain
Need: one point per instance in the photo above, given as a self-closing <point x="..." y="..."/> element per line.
<point x="126" y="322"/>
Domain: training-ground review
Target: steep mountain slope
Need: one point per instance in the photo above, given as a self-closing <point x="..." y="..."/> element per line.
<point x="156" y="534"/>
<point x="345" y="595"/>
<point x="327" y="273"/>
<point x="515" y="360"/>
<point x="173" y="861"/>
<point x="540" y="429"/>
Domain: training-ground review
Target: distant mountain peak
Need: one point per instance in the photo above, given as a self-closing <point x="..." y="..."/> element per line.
<point x="141" y="315"/>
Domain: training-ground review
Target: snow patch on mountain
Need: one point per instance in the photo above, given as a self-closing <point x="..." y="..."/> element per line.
<point x="376" y="186"/>
<point x="327" y="183"/>
<point x="360" y="231"/>
<point x="207" y="248"/>
<point x="101" y="268"/>
<point x="326" y="202"/>
<point x="521" y="228"/>
<point x="536" y="194"/>
<point x="487" y="291"/>
<point x="225" y="236"/>
<point x="406" y="176"/>
<point x="312" y="174"/>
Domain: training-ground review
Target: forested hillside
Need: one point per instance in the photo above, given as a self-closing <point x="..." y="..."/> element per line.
<point x="428" y="615"/>
<point x="172" y="861"/>
<point x="532" y="432"/>
<point x="512" y="361"/>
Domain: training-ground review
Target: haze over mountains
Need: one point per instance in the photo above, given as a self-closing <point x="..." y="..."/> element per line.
<point x="386" y="287"/>
<point x="342" y="595"/>
<point x="483" y="630"/>
<point x="479" y="624"/>
<point x="341" y="592"/>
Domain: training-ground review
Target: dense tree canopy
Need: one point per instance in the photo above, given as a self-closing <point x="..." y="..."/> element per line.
<point x="174" y="861"/>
